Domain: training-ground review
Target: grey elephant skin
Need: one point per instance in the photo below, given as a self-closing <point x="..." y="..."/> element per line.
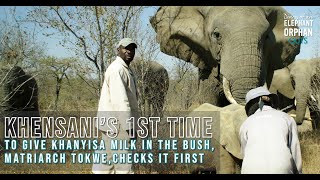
<point x="239" y="46"/>
<point x="227" y="158"/>
<point x="18" y="95"/>
<point x="300" y="80"/>
<point x="153" y="84"/>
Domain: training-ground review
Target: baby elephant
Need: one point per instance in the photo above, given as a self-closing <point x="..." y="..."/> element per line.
<point x="226" y="121"/>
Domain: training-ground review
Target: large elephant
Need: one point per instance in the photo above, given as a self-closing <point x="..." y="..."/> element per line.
<point x="241" y="46"/>
<point x="153" y="84"/>
<point x="300" y="80"/>
<point x="18" y="94"/>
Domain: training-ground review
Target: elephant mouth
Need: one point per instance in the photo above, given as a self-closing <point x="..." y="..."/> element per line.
<point x="227" y="91"/>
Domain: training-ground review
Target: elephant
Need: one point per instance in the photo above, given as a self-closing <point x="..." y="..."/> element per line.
<point x="18" y="94"/>
<point x="240" y="46"/>
<point x="227" y="158"/>
<point x="153" y="84"/>
<point x="211" y="91"/>
<point x="300" y="81"/>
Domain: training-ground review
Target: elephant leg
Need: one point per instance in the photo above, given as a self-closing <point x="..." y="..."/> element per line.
<point x="314" y="113"/>
<point x="315" y="116"/>
<point x="2" y="133"/>
<point x="227" y="164"/>
<point x="148" y="105"/>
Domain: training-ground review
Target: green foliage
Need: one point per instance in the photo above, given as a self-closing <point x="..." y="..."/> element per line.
<point x="183" y="87"/>
<point x="62" y="89"/>
<point x="90" y="32"/>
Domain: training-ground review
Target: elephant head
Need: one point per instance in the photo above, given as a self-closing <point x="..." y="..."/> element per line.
<point x="243" y="44"/>
<point x="18" y="93"/>
<point x="299" y="80"/>
<point x="21" y="91"/>
<point x="302" y="73"/>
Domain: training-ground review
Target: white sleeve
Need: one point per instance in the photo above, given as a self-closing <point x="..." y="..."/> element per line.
<point x="243" y="139"/>
<point x="103" y="109"/>
<point x="295" y="145"/>
<point x="103" y="96"/>
<point x="119" y="97"/>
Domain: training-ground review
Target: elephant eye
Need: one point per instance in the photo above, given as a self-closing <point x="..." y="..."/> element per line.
<point x="293" y="83"/>
<point x="216" y="35"/>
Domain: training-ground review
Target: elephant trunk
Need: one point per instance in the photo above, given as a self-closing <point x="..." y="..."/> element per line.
<point x="302" y="93"/>
<point x="242" y="64"/>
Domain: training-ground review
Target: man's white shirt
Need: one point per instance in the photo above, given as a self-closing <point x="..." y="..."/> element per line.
<point x="269" y="143"/>
<point x="118" y="94"/>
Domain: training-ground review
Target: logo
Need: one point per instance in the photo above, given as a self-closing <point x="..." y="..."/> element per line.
<point x="297" y="28"/>
<point x="297" y="41"/>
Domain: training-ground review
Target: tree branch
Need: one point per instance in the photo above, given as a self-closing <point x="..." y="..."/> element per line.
<point x="76" y="35"/>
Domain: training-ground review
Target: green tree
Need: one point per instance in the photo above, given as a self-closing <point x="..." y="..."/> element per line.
<point x="58" y="69"/>
<point x="90" y="32"/>
<point x="18" y="44"/>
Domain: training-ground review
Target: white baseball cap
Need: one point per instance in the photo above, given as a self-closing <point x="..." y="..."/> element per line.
<point x="257" y="92"/>
<point x="125" y="42"/>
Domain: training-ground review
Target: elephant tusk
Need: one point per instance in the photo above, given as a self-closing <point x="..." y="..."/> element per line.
<point x="305" y="118"/>
<point x="265" y="85"/>
<point x="227" y="92"/>
<point x="312" y="97"/>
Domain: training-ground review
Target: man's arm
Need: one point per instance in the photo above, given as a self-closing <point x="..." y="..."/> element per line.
<point x="119" y="97"/>
<point x="295" y="145"/>
<point x="103" y="96"/>
<point x="104" y="107"/>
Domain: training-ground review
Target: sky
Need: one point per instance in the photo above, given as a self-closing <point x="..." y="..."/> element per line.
<point x="307" y="50"/>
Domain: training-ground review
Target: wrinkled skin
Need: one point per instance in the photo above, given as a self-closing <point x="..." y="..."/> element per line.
<point x="227" y="158"/>
<point x="244" y="45"/>
<point x="18" y="94"/>
<point x="153" y="84"/>
<point x="300" y="80"/>
<point x="211" y="91"/>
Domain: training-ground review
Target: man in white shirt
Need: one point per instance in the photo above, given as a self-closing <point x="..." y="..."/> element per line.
<point x="269" y="137"/>
<point x="118" y="99"/>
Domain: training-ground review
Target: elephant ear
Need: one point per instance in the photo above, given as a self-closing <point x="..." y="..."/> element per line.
<point x="180" y="33"/>
<point x="231" y="119"/>
<point x="285" y="88"/>
<point x="283" y="53"/>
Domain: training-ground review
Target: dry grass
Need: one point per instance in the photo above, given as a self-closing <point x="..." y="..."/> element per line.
<point x="67" y="168"/>
<point x="310" y="148"/>
<point x="77" y="168"/>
